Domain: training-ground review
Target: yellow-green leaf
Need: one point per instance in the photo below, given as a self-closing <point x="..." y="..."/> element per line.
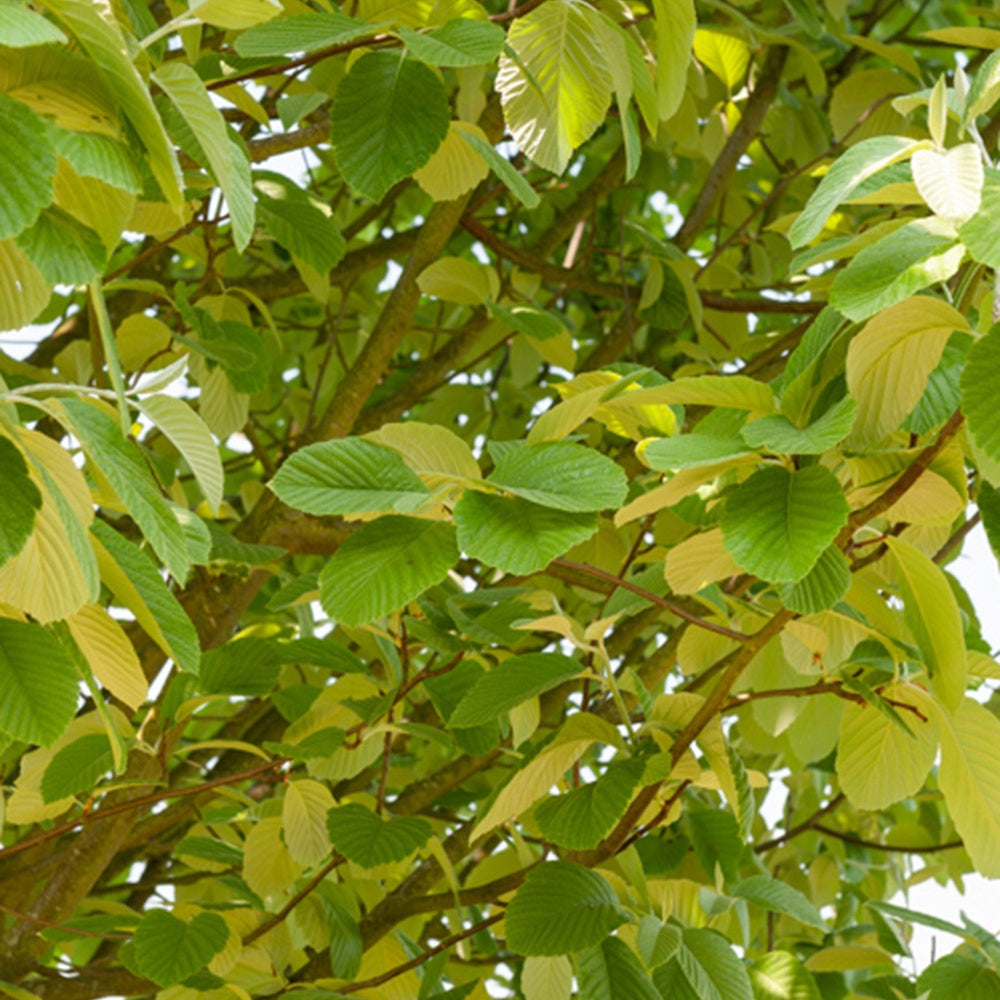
<point x="557" y="90"/>
<point x="878" y="763"/>
<point x="303" y="818"/>
<point x="110" y="654"/>
<point x="951" y="182"/>
<point x="889" y="361"/>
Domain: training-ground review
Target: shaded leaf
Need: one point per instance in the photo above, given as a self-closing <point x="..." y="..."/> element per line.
<point x="369" y="840"/>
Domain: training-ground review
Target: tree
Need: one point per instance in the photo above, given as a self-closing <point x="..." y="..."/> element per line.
<point x="419" y="563"/>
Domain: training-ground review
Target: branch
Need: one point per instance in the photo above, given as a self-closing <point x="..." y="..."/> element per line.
<point x="662" y="602"/>
<point x="896" y="491"/>
<point x="803" y="827"/>
<point x="849" y="838"/>
<point x="444" y="945"/>
<point x="745" y="132"/>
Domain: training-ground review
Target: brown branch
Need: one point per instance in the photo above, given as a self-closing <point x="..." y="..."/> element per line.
<point x="138" y="803"/>
<point x="898" y="488"/>
<point x="28" y="918"/>
<point x="794" y="831"/>
<point x="719" y="177"/>
<point x="413" y="963"/>
<point x="277" y="918"/>
<point x="849" y="838"/>
<point x="671" y="606"/>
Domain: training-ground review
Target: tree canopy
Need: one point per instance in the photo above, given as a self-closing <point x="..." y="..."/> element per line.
<point x="500" y="546"/>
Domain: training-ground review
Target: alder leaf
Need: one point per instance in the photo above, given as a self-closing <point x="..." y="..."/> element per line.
<point x="369" y="840"/>
<point x="388" y="117"/>
<point x="555" y="84"/>
<point x="168" y="950"/>
<point x="561" y="907"/>
<point x="517" y="536"/>
<point x="346" y="477"/>
<point x="778" y="523"/>
<point x="386" y="564"/>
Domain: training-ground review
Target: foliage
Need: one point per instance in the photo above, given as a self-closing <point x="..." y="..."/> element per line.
<point x="426" y="559"/>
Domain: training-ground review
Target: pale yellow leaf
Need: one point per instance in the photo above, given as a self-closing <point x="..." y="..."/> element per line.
<point x="970" y="781"/>
<point x="455" y="279"/>
<point x="455" y="167"/>
<point x="110" y="654"/>
<point x="268" y="868"/>
<point x="303" y="817"/>
<point x="435" y="453"/>
<point x="889" y="361"/>
<point x="23" y="290"/>
<point x="697" y="562"/>
<point x="842" y="958"/>
<point x="547" y="977"/>
<point x="879" y="764"/>
<point x="951" y="182"/>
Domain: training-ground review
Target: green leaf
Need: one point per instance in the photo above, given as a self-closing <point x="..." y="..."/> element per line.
<point x="346" y="949"/>
<point x="501" y="166"/>
<point x="778" y="523"/>
<point x="384" y="566"/>
<point x="388" y="117"/>
<point x="38" y="683"/>
<point x="980" y="384"/>
<point x="981" y="233"/>
<point x="690" y="451"/>
<point x="515" y="535"/>
<point x="611" y="969"/>
<point x="776" y="433"/>
<point x="27" y="166"/>
<point x="510" y="683"/>
<point x="656" y="941"/>
<point x="932" y="613"/>
<point x="461" y="42"/>
<point x="773" y="894"/>
<point x="857" y="164"/>
<point x="64" y="250"/>
<point x="369" y="840"/>
<point x="891" y="269"/>
<point x="581" y="818"/>
<point x="878" y="762"/>
<point x="959" y="977"/>
<point x="121" y="462"/>
<point x="555" y="84"/>
<point x="567" y="477"/>
<point x="303" y="230"/>
<point x="211" y="849"/>
<point x="247" y="666"/>
<point x="20" y="500"/>
<point x="189" y="435"/>
<point x="20" y="26"/>
<point x="103" y="42"/>
<point x="950" y="182"/>
<point x="716" y="838"/>
<point x="77" y="767"/>
<point x="135" y="583"/>
<point x="188" y="93"/>
<point x="705" y="968"/>
<point x="675" y="28"/>
<point x="779" y="975"/>
<point x="890" y="360"/>
<point x="529" y="320"/>
<point x="168" y="950"/>
<point x="300" y="33"/>
<point x="348" y="476"/>
<point x="94" y="155"/>
<point x="820" y="589"/>
<point x="561" y="907"/>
